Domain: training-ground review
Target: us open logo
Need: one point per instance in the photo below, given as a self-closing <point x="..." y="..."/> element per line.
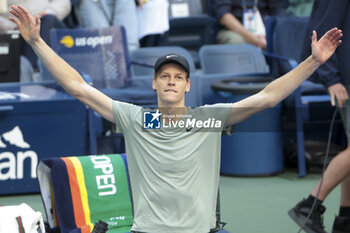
<point x="151" y="120"/>
<point x="92" y="41"/>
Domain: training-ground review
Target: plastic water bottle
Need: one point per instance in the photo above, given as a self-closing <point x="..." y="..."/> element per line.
<point x="100" y="227"/>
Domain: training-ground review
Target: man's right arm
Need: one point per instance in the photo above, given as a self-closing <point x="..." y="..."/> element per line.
<point x="65" y="75"/>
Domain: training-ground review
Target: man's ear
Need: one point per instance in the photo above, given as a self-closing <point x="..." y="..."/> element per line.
<point x="154" y="84"/>
<point x="188" y="86"/>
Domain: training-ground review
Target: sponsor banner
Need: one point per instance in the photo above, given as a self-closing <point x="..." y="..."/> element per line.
<point x="15" y="152"/>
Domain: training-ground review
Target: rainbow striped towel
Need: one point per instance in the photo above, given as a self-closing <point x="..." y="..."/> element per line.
<point x="79" y="191"/>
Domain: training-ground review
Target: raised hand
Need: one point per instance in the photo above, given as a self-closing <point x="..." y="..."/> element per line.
<point x="27" y="24"/>
<point x="325" y="47"/>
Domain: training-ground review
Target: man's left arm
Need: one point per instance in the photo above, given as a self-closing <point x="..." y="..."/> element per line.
<point x="280" y="88"/>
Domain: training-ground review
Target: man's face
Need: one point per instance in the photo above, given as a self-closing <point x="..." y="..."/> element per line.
<point x="171" y="84"/>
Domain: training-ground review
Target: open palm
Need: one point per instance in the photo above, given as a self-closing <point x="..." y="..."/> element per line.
<point x="27" y="24"/>
<point x="325" y="47"/>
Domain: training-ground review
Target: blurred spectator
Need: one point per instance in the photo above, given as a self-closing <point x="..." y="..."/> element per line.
<point x="26" y="70"/>
<point x="300" y="8"/>
<point x="51" y="13"/>
<point x="153" y="21"/>
<point x="242" y="20"/>
<point x="105" y="13"/>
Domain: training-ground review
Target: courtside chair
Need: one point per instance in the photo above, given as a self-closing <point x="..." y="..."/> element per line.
<point x="242" y="70"/>
<point x="101" y="56"/>
<point x="74" y="199"/>
<point x="286" y="37"/>
<point x="220" y="62"/>
<point x="228" y="58"/>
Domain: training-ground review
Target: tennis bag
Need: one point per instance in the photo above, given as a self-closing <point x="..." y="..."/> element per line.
<point x="77" y="192"/>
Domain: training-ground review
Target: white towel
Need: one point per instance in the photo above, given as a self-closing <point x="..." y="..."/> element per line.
<point x="32" y="220"/>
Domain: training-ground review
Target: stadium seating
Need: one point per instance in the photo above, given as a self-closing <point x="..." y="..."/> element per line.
<point x="221" y="62"/>
<point x="191" y="27"/>
<point x="149" y="55"/>
<point x="228" y="58"/>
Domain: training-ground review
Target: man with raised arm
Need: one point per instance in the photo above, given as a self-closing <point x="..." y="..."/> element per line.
<point x="174" y="170"/>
